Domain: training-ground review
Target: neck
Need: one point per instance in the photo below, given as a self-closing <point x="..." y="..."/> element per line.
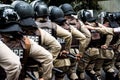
<point x="41" y="19"/>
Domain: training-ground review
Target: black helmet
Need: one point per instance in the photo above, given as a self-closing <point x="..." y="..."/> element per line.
<point x="57" y="15"/>
<point x="87" y="16"/>
<point x="11" y="28"/>
<point x="8" y="19"/>
<point x="25" y="12"/>
<point x="23" y="9"/>
<point x="7" y="14"/>
<point x="50" y="8"/>
<point x="112" y="18"/>
<point x="41" y="10"/>
<point x="67" y="9"/>
<point x="116" y="15"/>
<point x="36" y="3"/>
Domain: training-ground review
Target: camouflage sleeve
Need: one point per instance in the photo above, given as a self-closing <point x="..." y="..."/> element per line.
<point x="50" y="43"/>
<point x="86" y="32"/>
<point x="104" y="30"/>
<point x="108" y="39"/>
<point x="61" y="32"/>
<point x="79" y="36"/>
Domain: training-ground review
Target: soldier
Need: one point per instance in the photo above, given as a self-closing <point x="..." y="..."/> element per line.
<point x="57" y="16"/>
<point x="43" y="22"/>
<point x="113" y="31"/>
<point x="70" y="16"/>
<point x="10" y="62"/>
<point x="13" y="38"/>
<point x="40" y="36"/>
<point x="108" y="65"/>
<point x="99" y="41"/>
<point x="62" y="35"/>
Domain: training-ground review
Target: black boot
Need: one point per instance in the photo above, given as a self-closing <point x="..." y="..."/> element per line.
<point x="110" y="76"/>
<point x="78" y="74"/>
<point x="92" y="76"/>
<point x="117" y="76"/>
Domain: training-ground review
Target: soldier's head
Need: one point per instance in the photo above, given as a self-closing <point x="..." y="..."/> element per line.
<point x="57" y="15"/>
<point x="112" y="18"/>
<point x="9" y="20"/>
<point x="41" y="10"/>
<point x="26" y="13"/>
<point x="67" y="9"/>
<point x="7" y="14"/>
<point x="86" y="16"/>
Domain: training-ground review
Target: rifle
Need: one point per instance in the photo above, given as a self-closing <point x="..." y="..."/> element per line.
<point x="58" y="70"/>
<point x="71" y="56"/>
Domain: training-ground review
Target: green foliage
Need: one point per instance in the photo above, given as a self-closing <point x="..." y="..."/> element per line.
<point x="86" y="4"/>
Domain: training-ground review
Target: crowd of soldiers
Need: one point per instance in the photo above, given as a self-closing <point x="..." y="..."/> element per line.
<point x="73" y="44"/>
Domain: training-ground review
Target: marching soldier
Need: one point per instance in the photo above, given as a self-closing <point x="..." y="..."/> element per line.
<point x="40" y="36"/>
<point x="13" y="37"/>
<point x="43" y="22"/>
<point x="10" y="62"/>
<point x="62" y="35"/>
<point x="69" y="15"/>
<point x="98" y="43"/>
<point x="57" y="16"/>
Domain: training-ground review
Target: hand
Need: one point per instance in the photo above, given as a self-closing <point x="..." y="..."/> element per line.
<point x="115" y="46"/>
<point x="64" y="53"/>
<point x="41" y="79"/>
<point x="104" y="46"/>
<point x="79" y="56"/>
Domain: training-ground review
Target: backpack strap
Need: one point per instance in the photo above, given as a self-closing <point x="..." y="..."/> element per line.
<point x="54" y="29"/>
<point x="26" y="45"/>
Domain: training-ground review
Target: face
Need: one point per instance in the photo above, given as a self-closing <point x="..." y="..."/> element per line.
<point x="93" y="24"/>
<point x="106" y="24"/>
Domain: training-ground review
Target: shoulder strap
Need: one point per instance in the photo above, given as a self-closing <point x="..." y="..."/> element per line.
<point x="26" y="45"/>
<point x="54" y="29"/>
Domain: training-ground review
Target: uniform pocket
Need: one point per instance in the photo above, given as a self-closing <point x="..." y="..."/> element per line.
<point x="106" y="54"/>
<point x="93" y="51"/>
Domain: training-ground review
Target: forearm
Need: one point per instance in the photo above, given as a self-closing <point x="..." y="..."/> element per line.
<point x="116" y="30"/>
<point x="80" y="37"/>
<point x="50" y="43"/>
<point x="108" y="39"/>
<point x="66" y="35"/>
<point x="87" y="33"/>
<point x="105" y="30"/>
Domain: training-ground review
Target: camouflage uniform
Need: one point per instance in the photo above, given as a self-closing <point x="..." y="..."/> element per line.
<point x="81" y="27"/>
<point x="10" y="62"/>
<point x="64" y="38"/>
<point x="76" y="49"/>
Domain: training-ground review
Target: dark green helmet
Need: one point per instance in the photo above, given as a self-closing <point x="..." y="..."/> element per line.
<point x="86" y="15"/>
<point x="41" y="11"/>
<point x="40" y="8"/>
<point x="35" y="3"/>
<point x="23" y="9"/>
<point x="67" y="9"/>
<point x="7" y="14"/>
<point x="57" y="15"/>
<point x="8" y="19"/>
